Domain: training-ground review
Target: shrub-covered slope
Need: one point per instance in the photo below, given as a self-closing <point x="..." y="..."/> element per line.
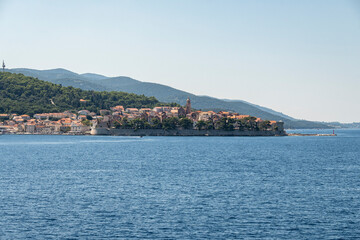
<point x="27" y="95"/>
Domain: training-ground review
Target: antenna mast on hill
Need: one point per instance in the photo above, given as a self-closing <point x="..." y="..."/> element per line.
<point x="3" y="66"/>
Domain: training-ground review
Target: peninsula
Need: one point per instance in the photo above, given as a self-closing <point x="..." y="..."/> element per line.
<point x="158" y="121"/>
<point x="24" y="101"/>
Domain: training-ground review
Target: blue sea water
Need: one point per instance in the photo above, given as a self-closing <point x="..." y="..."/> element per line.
<point x="102" y="187"/>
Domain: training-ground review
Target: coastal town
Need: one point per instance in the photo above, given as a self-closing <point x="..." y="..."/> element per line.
<point x="166" y="118"/>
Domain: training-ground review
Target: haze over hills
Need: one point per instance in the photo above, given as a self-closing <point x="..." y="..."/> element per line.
<point x="91" y="81"/>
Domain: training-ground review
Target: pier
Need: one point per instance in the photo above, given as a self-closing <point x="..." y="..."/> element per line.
<point x="310" y="134"/>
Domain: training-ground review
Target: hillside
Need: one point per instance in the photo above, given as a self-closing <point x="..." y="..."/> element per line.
<point x="27" y="95"/>
<point x="163" y="93"/>
<point x="63" y="77"/>
<point x="263" y="108"/>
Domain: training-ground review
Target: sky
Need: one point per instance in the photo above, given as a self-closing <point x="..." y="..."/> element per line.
<point x="300" y="58"/>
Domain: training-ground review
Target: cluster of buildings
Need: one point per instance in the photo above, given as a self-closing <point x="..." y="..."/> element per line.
<point x="82" y="121"/>
<point x="45" y="123"/>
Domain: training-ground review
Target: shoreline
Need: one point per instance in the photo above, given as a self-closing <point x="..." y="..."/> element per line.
<point x="183" y="132"/>
<point x="161" y="132"/>
<point x="179" y="133"/>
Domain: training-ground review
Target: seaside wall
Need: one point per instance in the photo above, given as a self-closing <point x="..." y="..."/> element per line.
<point x="161" y="132"/>
<point x="100" y="131"/>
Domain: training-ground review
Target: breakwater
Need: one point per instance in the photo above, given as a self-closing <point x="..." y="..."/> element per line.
<point x="311" y="134"/>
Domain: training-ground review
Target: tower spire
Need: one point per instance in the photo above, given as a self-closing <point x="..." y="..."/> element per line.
<point x="188" y="106"/>
<point x="3" y="66"/>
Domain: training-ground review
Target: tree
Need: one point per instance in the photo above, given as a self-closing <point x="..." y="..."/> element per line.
<point x="67" y="129"/>
<point x="186" y="123"/>
<point x="156" y="124"/>
<point x="117" y="124"/>
<point x="4" y="118"/>
<point x="264" y="125"/>
<point x="251" y="124"/>
<point x="139" y="123"/>
<point x="209" y="125"/>
<point x="200" y="125"/>
<point x="226" y="124"/>
<point x="86" y="122"/>
<point x="170" y="123"/>
<point x="241" y="124"/>
<point x="125" y="124"/>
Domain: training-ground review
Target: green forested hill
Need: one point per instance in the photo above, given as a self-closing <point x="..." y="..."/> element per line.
<point x="27" y="95"/>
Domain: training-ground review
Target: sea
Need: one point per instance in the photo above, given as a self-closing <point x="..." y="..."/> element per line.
<point x="104" y="187"/>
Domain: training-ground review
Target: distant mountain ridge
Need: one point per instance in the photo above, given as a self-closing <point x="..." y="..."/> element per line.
<point x="263" y="108"/>
<point x="61" y="76"/>
<point x="93" y="76"/>
<point x="91" y="81"/>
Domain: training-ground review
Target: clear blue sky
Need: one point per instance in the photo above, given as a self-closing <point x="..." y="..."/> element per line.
<point x="298" y="57"/>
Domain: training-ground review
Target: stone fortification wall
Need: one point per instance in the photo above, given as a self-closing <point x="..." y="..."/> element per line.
<point x="161" y="132"/>
<point x="100" y="131"/>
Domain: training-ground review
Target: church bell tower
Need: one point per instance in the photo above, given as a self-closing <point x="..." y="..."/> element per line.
<point x="188" y="106"/>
